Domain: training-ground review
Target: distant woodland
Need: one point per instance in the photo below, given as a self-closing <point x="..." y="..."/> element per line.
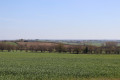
<point x="109" y="47"/>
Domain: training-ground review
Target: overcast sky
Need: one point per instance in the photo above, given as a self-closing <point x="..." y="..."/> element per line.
<point x="59" y="19"/>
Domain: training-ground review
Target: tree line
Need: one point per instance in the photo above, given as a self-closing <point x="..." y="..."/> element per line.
<point x="107" y="48"/>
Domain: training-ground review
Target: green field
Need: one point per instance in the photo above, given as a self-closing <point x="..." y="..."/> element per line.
<point x="58" y="66"/>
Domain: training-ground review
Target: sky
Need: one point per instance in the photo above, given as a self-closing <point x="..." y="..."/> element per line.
<point x="59" y="19"/>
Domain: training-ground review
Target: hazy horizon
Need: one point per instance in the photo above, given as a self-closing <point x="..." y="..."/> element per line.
<point x="54" y="39"/>
<point x="60" y="19"/>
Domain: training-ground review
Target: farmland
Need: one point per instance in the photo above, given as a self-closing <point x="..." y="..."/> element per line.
<point x="58" y="66"/>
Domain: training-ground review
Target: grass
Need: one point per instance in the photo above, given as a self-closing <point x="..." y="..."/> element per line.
<point x="11" y="43"/>
<point x="56" y="66"/>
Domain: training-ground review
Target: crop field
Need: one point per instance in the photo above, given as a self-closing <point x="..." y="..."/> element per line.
<point x="58" y="66"/>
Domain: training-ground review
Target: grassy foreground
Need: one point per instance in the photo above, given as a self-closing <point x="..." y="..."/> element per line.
<point x="56" y="66"/>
